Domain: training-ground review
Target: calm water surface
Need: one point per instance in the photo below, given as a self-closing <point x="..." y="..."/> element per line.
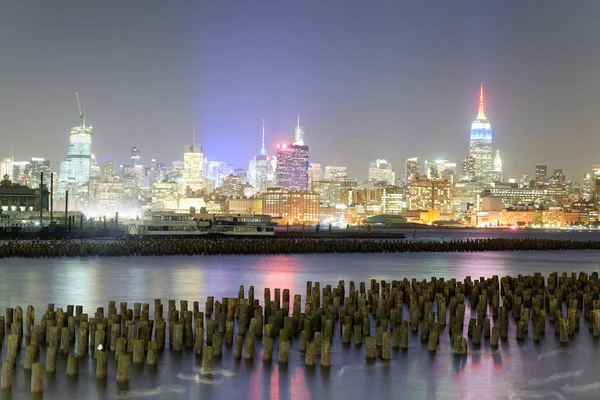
<point x="516" y="370"/>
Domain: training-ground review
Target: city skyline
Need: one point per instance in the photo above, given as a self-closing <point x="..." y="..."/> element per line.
<point x="348" y="88"/>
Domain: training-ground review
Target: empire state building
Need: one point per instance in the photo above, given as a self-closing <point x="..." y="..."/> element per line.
<point x="480" y="145"/>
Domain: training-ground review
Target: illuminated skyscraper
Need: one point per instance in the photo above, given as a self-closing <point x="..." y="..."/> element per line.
<point x="74" y="172"/>
<point x="193" y="169"/>
<point x="440" y="170"/>
<point x="299" y="135"/>
<point x="292" y="167"/>
<point x="333" y="172"/>
<point x="497" y="171"/>
<point x="36" y="167"/>
<point x="261" y="170"/>
<point x="541" y="173"/>
<point x="292" y="163"/>
<point x="381" y="173"/>
<point x="411" y="169"/>
<point x="135" y="155"/>
<point x="480" y="144"/>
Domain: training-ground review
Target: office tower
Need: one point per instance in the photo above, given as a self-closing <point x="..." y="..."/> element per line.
<point x="135" y="155"/>
<point x="108" y="170"/>
<point x="315" y="173"/>
<point x="334" y="172"/>
<point x="412" y="169"/>
<point x="74" y="172"/>
<point x="497" y="174"/>
<point x="299" y="135"/>
<point x="292" y="163"/>
<point x="36" y="167"/>
<point x="381" y="173"/>
<point x="557" y="178"/>
<point x="7" y="169"/>
<point x="541" y="173"/>
<point x="480" y="144"/>
<point x="440" y="170"/>
<point x="261" y="170"/>
<point x="193" y="169"/>
<point x="292" y="167"/>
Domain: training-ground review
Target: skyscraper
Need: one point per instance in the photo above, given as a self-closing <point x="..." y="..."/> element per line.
<point x="411" y="169"/>
<point x="440" y="170"/>
<point x="74" y="172"/>
<point x="541" y="173"/>
<point x="135" y="155"/>
<point x="381" y="173"/>
<point x="36" y="167"/>
<point x="333" y="172"/>
<point x="480" y="144"/>
<point x="292" y="167"/>
<point x="468" y="169"/>
<point x="497" y="171"/>
<point x="261" y="170"/>
<point x="292" y="163"/>
<point x="108" y="170"/>
<point x="299" y="135"/>
<point x="193" y="169"/>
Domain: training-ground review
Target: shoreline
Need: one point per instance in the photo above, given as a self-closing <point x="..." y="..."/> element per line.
<point x="278" y="246"/>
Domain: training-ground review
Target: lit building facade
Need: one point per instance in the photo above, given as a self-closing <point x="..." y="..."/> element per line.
<point x="233" y="185"/>
<point x="245" y="206"/>
<point x="480" y="144"/>
<point x="74" y="172"/>
<point x="329" y="192"/>
<point x="440" y="170"/>
<point x="412" y="169"/>
<point x="261" y="170"/>
<point x="392" y="200"/>
<point x="165" y="196"/>
<point x="497" y="175"/>
<point x="36" y="167"/>
<point x="541" y="174"/>
<point x="426" y="194"/>
<point x="193" y="169"/>
<point x="292" y="167"/>
<point x="294" y="207"/>
<point x="334" y="172"/>
<point x="381" y="173"/>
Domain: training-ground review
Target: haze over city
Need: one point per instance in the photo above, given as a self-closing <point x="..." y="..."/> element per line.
<point x="388" y="80"/>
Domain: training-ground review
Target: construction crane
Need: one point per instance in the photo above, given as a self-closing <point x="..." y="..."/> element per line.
<point x="81" y="111"/>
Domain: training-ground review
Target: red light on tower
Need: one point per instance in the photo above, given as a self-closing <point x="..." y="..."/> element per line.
<point x="285" y="146"/>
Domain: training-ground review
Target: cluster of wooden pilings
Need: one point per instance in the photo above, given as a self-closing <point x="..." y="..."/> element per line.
<point x="383" y="316"/>
<point x="275" y="245"/>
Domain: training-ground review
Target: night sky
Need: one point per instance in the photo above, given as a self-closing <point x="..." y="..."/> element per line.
<point x="370" y="79"/>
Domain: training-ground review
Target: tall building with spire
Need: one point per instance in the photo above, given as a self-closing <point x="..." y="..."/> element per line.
<point x="292" y="163"/>
<point x="261" y="171"/>
<point x="74" y="172"/>
<point x="299" y="134"/>
<point x="480" y="144"/>
<point x="497" y="175"/>
<point x="193" y="167"/>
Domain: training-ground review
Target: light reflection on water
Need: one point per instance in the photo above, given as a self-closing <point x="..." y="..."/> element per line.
<point x="512" y="371"/>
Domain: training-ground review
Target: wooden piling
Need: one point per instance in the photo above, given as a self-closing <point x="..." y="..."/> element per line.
<point x="8" y="368"/>
<point x="268" y="349"/>
<point x="152" y="358"/>
<point x="72" y="365"/>
<point x="237" y="347"/>
<point x="37" y="378"/>
<point x="123" y="368"/>
<point x="102" y="365"/>
<point x="207" y="357"/>
<point x="138" y="351"/>
<point x="51" y="357"/>
<point x="371" y="344"/>
<point x="13" y="347"/>
<point x="284" y="351"/>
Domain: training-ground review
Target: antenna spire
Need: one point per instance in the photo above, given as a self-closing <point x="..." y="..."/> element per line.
<point x="262" y="148"/>
<point x="81" y="111"/>
<point x="481" y="114"/>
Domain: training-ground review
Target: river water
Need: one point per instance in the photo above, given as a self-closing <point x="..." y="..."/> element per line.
<point x="517" y="370"/>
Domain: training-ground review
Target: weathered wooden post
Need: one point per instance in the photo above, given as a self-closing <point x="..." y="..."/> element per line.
<point x="8" y="368"/>
<point x="102" y="365"/>
<point x="207" y="357"/>
<point x="37" y="378"/>
<point x="72" y="365"/>
<point x="152" y="358"/>
<point x="123" y="368"/>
